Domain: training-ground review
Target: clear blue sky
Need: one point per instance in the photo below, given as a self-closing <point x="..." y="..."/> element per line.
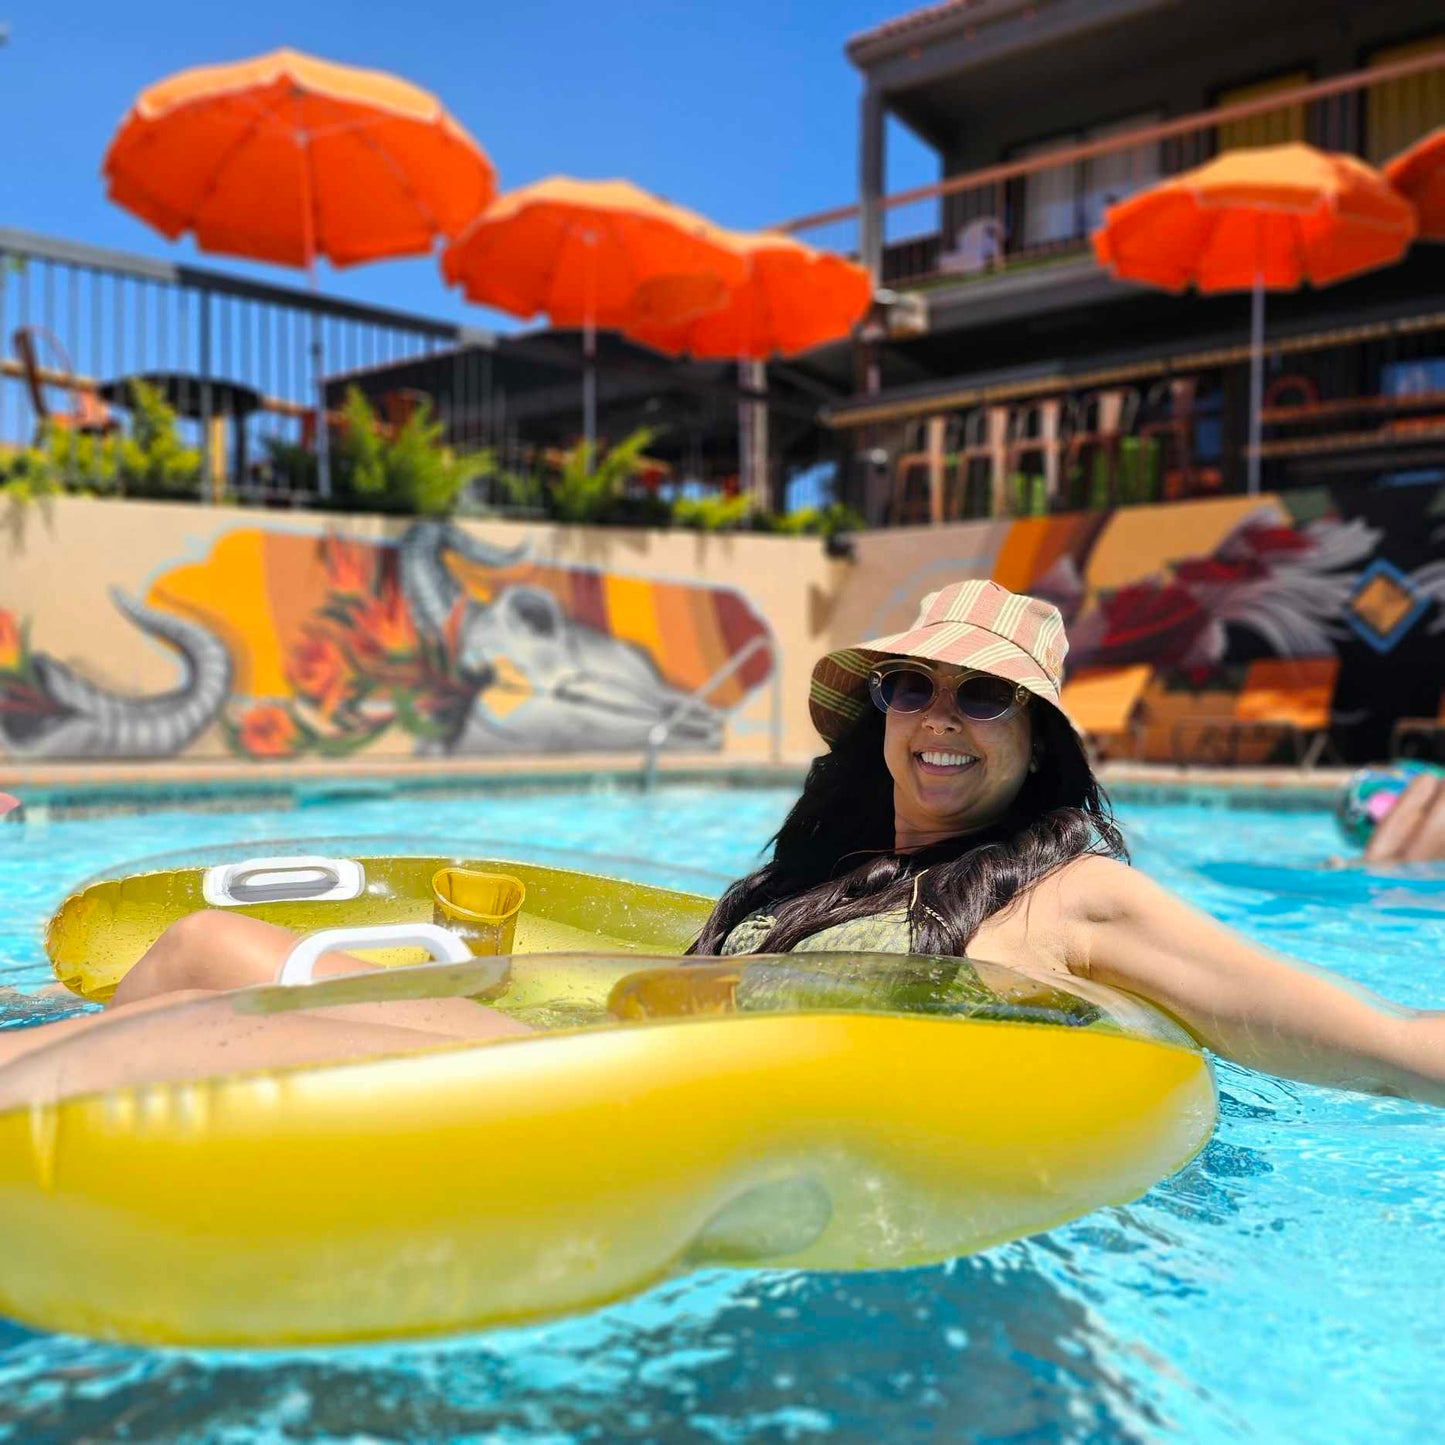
<point x="746" y="110"/>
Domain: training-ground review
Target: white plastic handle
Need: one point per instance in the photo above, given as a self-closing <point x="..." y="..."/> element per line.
<point x="443" y="946"/>
<point x="302" y="878"/>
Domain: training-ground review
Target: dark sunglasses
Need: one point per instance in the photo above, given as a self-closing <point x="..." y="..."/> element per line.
<point x="911" y="687"/>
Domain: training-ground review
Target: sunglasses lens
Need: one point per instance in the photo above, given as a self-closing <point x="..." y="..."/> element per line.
<point x="985" y="699"/>
<point x="905" y="689"/>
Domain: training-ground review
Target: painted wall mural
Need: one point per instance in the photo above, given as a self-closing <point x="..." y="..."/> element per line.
<point x="299" y="644"/>
<point x="1198" y="591"/>
<point x="286" y="640"/>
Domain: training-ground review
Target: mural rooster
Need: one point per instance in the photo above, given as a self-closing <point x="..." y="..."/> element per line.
<point x="1288" y="584"/>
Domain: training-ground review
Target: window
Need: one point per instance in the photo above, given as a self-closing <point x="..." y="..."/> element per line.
<point x="1051" y="202"/>
<point x="1065" y="202"/>
<point x="1399" y="112"/>
<point x="1279" y="126"/>
<point x="1109" y="178"/>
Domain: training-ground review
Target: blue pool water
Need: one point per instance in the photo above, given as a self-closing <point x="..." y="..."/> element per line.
<point x="1288" y="1285"/>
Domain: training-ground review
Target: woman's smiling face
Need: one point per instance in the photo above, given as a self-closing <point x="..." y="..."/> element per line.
<point x="952" y="775"/>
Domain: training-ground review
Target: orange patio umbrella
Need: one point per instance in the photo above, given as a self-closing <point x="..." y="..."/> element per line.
<point x="1271" y="217"/>
<point x="578" y="251"/>
<point x="287" y="158"/>
<point x="791" y="299"/>
<point x="1419" y="175"/>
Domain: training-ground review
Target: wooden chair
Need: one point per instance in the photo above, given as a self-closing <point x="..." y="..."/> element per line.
<point x="1036" y="429"/>
<point x="1106" y="704"/>
<point x="1429" y="731"/>
<point x="1102" y="420"/>
<point x="1169" y="415"/>
<point x="1290" y="699"/>
<point x="984" y="439"/>
<point x="88" y="413"/>
<point x="931" y="445"/>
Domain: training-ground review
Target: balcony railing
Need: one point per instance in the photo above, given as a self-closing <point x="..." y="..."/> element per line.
<point x="1039" y="209"/>
<point x="1364" y="401"/>
<point x="235" y="361"/>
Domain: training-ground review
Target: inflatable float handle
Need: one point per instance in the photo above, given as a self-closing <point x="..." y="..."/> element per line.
<point x="300" y="878"/>
<point x="443" y="946"/>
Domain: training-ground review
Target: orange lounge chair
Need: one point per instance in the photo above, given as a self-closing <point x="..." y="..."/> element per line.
<point x="1105" y="703"/>
<point x="1290" y="697"/>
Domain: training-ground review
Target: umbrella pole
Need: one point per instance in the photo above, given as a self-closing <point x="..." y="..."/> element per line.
<point x="308" y="228"/>
<point x="589" y="386"/>
<point x="1256" y="378"/>
<point x="589" y="352"/>
<point x="323" y="431"/>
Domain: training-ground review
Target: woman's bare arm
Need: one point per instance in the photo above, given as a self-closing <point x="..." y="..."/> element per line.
<point x="1248" y="1005"/>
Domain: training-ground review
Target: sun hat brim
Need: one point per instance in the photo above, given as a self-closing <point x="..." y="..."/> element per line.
<point x="838" y="695"/>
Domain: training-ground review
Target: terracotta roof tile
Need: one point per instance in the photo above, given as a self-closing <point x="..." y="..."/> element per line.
<point x="914" y="20"/>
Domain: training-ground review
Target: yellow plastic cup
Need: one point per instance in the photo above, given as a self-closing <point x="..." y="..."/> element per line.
<point x="480" y="908"/>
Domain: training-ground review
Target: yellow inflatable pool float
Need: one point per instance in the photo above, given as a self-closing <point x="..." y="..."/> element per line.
<point x="98" y="933"/>
<point x="827" y="1111"/>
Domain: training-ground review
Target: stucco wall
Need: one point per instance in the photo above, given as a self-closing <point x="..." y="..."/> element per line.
<point x="335" y="637"/>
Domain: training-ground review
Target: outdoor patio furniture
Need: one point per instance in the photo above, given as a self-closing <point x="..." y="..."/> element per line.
<point x="1037" y="429"/>
<point x="1283" y="699"/>
<point x="978" y="247"/>
<point x="1291" y="384"/>
<point x="1106" y="705"/>
<point x="984" y="439"/>
<point x="1407" y="431"/>
<point x="87" y="414"/>
<point x="1102" y="419"/>
<point x="219" y="405"/>
<point x="1168" y="414"/>
<point x="1425" y="733"/>
<point x="918" y="474"/>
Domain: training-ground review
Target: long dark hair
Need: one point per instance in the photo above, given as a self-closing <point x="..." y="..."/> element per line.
<point x="833" y="859"/>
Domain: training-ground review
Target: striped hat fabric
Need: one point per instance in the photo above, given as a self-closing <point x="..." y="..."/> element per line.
<point x="977" y="624"/>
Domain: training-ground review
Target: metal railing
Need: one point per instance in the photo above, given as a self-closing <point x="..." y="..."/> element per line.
<point x="230" y="357"/>
<point x="1041" y="208"/>
<point x="660" y="732"/>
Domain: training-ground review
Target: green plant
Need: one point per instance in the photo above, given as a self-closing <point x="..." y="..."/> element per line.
<point x="27" y="473"/>
<point x="588" y="488"/>
<point x="1099" y="480"/>
<point x="147" y="460"/>
<point x="1139" y="469"/>
<point x="812" y="521"/>
<point x="713" y="514"/>
<point x="527" y="490"/>
<point x="1030" y="494"/>
<point x="405" y="470"/>
<point x="150" y="458"/>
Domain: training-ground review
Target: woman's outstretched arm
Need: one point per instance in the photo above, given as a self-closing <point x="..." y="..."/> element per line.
<point x="1248" y="1005"/>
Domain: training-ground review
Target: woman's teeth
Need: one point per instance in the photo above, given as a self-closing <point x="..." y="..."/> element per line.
<point x="947" y="760"/>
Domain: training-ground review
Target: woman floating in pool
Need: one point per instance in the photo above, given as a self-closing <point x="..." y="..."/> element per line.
<point x="955" y="811"/>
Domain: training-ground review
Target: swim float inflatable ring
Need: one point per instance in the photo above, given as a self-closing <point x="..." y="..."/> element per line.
<point x="95" y="937"/>
<point x="1369" y="795"/>
<point x="831" y="1111"/>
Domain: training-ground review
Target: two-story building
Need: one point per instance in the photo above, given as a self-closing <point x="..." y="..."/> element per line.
<point x="1014" y="373"/>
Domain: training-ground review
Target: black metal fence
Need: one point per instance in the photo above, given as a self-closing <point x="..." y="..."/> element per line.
<point x="239" y="365"/>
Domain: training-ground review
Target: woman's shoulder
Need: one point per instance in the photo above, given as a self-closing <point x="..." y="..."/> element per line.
<point x="1089" y="889"/>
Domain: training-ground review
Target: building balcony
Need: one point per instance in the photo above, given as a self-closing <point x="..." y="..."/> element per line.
<point x="990" y="237"/>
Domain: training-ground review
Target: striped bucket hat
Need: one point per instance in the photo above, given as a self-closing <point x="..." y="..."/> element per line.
<point x="969" y="624"/>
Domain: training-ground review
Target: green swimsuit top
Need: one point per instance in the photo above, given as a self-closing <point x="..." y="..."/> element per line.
<point x="887" y="932"/>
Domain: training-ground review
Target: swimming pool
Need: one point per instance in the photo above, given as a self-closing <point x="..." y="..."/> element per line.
<point x="1286" y="1285"/>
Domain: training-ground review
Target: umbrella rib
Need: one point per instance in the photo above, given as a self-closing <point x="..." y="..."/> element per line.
<point x="229" y="158"/>
<point x="361" y="130"/>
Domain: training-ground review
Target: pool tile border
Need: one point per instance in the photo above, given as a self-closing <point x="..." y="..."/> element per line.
<point x="85" y="790"/>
